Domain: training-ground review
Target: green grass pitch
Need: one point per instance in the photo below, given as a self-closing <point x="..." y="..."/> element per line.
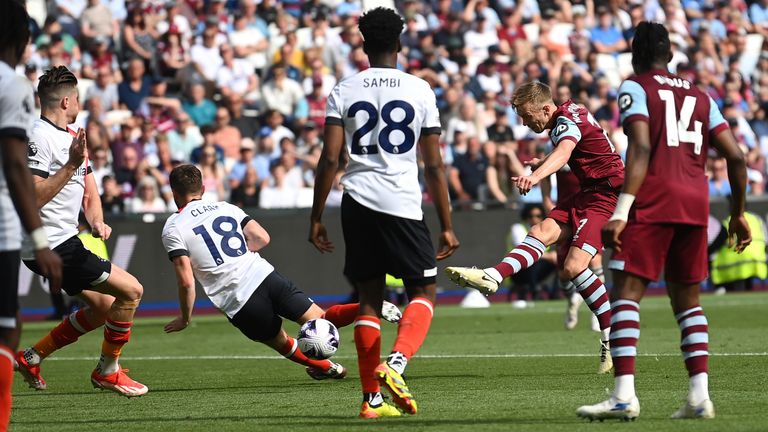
<point x="498" y="369"/>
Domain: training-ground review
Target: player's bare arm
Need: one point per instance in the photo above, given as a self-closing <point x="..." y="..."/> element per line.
<point x="256" y="236"/>
<point x="437" y="185"/>
<point x="326" y="171"/>
<point x="546" y="194"/>
<point x="739" y="235"/>
<point x="47" y="188"/>
<point x="186" y="282"/>
<point x="94" y="214"/>
<point x="638" y="157"/>
<point x="553" y="162"/>
<point x="20" y="186"/>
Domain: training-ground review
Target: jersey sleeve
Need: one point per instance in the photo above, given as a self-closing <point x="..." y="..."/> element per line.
<point x="431" y="124"/>
<point x="39" y="155"/>
<point x="717" y="122"/>
<point x="565" y="128"/>
<point x="16" y="110"/>
<point x="333" y="110"/>
<point x="173" y="242"/>
<point x="633" y="104"/>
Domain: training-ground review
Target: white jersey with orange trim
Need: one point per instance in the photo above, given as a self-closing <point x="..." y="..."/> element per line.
<point x="48" y="153"/>
<point x="211" y="235"/>
<point x="384" y="112"/>
<point x="16" y="117"/>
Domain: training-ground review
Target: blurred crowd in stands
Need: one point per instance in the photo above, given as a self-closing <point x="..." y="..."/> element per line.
<point x="239" y="87"/>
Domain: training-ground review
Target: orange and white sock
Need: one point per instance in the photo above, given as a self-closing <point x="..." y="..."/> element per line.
<point x="292" y="352"/>
<point x="67" y="332"/>
<point x="116" y="335"/>
<point x="411" y="332"/>
<point x="368" y="344"/>
<point x="6" y="382"/>
<point x="342" y="315"/>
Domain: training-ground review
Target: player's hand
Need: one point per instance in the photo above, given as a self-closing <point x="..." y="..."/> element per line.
<point x="77" y="149"/>
<point x="177" y="324"/>
<point x="101" y="230"/>
<point x="318" y="236"/>
<point x="447" y="244"/>
<point x="611" y="233"/>
<point x="49" y="264"/>
<point x="525" y="183"/>
<point x="739" y="234"/>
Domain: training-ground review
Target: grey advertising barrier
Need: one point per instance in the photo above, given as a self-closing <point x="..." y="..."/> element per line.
<point x="135" y="244"/>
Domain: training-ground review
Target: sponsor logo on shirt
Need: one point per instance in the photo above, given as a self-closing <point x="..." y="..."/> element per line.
<point x="625" y="101"/>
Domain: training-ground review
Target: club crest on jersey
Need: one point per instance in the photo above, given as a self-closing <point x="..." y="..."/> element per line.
<point x="625" y="101"/>
<point x="32" y="150"/>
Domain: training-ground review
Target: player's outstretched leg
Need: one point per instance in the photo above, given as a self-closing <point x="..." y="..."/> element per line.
<point x="317" y="369"/>
<point x="108" y="374"/>
<point x="345" y="314"/>
<point x="625" y="332"/>
<point x="488" y="280"/>
<point x="67" y="332"/>
<point x="694" y="343"/>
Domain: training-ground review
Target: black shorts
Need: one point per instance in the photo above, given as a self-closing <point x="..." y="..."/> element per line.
<point x="378" y="243"/>
<point x="82" y="269"/>
<point x="259" y="318"/>
<point x="9" y="290"/>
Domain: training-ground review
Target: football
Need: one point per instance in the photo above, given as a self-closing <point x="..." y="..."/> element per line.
<point x="318" y="339"/>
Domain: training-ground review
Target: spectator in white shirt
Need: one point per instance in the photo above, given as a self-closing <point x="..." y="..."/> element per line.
<point x="205" y="55"/>
<point x="281" y="93"/>
<point x="236" y="76"/>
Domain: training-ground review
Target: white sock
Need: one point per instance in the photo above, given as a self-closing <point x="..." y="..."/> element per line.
<point x="605" y="334"/>
<point x="698" y="388"/>
<point x="107" y="365"/>
<point x="625" y="387"/>
<point x="492" y="272"/>
<point x="397" y="361"/>
<point x="374" y="399"/>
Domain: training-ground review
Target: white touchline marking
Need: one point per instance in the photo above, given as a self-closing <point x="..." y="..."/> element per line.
<point x="424" y="356"/>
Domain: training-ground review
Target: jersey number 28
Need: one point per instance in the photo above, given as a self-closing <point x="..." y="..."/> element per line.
<point x="226" y="233"/>
<point x="384" y="135"/>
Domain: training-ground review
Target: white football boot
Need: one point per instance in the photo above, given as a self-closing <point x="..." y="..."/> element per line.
<point x="704" y="410"/>
<point x="390" y="312"/>
<point x="611" y="409"/>
<point x="473" y="277"/>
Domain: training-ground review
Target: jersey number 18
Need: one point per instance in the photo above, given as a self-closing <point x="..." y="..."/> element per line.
<point x="226" y="234"/>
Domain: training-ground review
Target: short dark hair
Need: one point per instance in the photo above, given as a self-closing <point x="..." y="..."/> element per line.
<point x="381" y="28"/>
<point x="54" y="82"/>
<point x="186" y="180"/>
<point x="15" y="24"/>
<point x="650" y="45"/>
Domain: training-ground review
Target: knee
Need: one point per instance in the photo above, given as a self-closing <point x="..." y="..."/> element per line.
<point x="133" y="292"/>
<point x="543" y="234"/>
<point x="571" y="269"/>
